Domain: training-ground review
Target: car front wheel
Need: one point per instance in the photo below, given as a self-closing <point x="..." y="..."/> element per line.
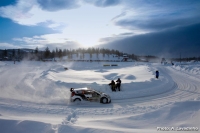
<point x="104" y="100"/>
<point x="77" y="100"/>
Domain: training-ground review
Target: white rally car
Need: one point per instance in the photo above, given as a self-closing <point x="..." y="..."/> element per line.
<point x="85" y="94"/>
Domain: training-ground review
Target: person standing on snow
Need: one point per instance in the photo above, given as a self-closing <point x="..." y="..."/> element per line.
<point x="118" y="83"/>
<point x="112" y="85"/>
<point x="157" y="74"/>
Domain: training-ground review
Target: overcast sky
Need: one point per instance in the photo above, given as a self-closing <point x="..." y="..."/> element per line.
<point x="88" y="23"/>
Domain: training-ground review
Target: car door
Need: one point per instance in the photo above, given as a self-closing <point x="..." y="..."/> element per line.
<point x="95" y="96"/>
<point x="88" y="94"/>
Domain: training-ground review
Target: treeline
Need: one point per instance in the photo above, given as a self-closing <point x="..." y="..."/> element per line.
<point x="36" y="54"/>
<point x="10" y="54"/>
<point x="80" y="51"/>
<point x="186" y="59"/>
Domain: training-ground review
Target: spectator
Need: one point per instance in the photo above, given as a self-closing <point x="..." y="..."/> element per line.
<point x="118" y="86"/>
<point x="157" y="74"/>
<point x="112" y="85"/>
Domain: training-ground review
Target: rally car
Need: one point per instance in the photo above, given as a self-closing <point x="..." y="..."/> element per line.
<point x="85" y="94"/>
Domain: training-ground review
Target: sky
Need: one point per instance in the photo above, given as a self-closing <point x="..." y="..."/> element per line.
<point x="117" y="24"/>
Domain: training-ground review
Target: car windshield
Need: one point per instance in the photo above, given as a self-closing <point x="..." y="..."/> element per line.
<point x="98" y="92"/>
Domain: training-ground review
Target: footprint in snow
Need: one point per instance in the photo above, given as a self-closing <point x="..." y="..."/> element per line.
<point x="71" y="118"/>
<point x="54" y="127"/>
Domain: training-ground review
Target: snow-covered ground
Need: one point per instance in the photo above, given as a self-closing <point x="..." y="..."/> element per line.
<point x="189" y="68"/>
<point x="35" y="97"/>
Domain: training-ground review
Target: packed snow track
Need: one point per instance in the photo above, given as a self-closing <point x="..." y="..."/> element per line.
<point x="142" y="103"/>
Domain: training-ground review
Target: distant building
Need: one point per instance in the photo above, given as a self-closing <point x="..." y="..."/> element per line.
<point x="125" y="58"/>
<point x="163" y="61"/>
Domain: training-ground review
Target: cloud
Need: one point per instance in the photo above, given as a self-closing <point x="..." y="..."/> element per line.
<point x="158" y="15"/>
<point x="34" y="12"/>
<point x="66" y="45"/>
<point x="169" y="42"/>
<point x="7" y="2"/>
<point x="55" y="5"/>
<point x="156" y="24"/>
<point x="104" y="3"/>
<point x="162" y="5"/>
<point x="118" y="16"/>
<point x="36" y="40"/>
<point x="90" y="25"/>
<point x="84" y="25"/>
<point x="51" y="40"/>
<point x="115" y="37"/>
<point x="18" y="11"/>
<point x="8" y="45"/>
<point x="10" y="30"/>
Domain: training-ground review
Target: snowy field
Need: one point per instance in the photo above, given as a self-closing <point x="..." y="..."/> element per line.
<point x="35" y="97"/>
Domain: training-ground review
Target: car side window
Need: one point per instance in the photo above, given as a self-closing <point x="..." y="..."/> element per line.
<point x="79" y="92"/>
<point x="87" y="92"/>
<point x="95" y="94"/>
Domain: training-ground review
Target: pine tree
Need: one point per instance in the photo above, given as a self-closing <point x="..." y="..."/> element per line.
<point x="18" y="52"/>
<point x="53" y="54"/>
<point x="64" y="52"/>
<point x="56" y="55"/>
<point x="5" y="53"/>
<point x="47" y="53"/>
<point x="60" y="53"/>
<point x="13" y="53"/>
<point x="36" y="50"/>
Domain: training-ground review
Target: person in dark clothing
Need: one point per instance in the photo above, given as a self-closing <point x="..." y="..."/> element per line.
<point x="157" y="74"/>
<point x="112" y="85"/>
<point x="118" y="84"/>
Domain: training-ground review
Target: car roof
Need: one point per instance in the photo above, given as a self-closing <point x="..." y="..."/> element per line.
<point x="85" y="88"/>
<point x="78" y="89"/>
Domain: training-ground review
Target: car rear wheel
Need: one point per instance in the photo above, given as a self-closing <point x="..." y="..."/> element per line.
<point x="104" y="100"/>
<point x="77" y="100"/>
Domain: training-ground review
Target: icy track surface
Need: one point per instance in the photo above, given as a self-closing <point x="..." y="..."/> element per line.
<point x="35" y="97"/>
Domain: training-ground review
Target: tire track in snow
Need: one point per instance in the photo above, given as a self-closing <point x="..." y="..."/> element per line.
<point x="183" y="89"/>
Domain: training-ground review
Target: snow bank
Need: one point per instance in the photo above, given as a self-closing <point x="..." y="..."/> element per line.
<point x="192" y="68"/>
<point x="181" y="114"/>
<point x="49" y="83"/>
<point x="176" y="115"/>
<point x="14" y="126"/>
<point x="2" y="63"/>
<point x="137" y="80"/>
<point x="25" y="81"/>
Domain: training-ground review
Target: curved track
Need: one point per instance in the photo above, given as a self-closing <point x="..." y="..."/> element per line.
<point x="184" y="88"/>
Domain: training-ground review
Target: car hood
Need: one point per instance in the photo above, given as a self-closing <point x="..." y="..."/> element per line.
<point x="104" y="94"/>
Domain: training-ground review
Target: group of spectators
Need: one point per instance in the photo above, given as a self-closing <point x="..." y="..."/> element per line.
<point x="116" y="86"/>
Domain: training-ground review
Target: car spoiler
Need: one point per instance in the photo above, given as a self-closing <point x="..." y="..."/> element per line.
<point x="72" y="89"/>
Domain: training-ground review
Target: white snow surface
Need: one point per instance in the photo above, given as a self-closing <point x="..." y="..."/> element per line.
<point x="35" y="97"/>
